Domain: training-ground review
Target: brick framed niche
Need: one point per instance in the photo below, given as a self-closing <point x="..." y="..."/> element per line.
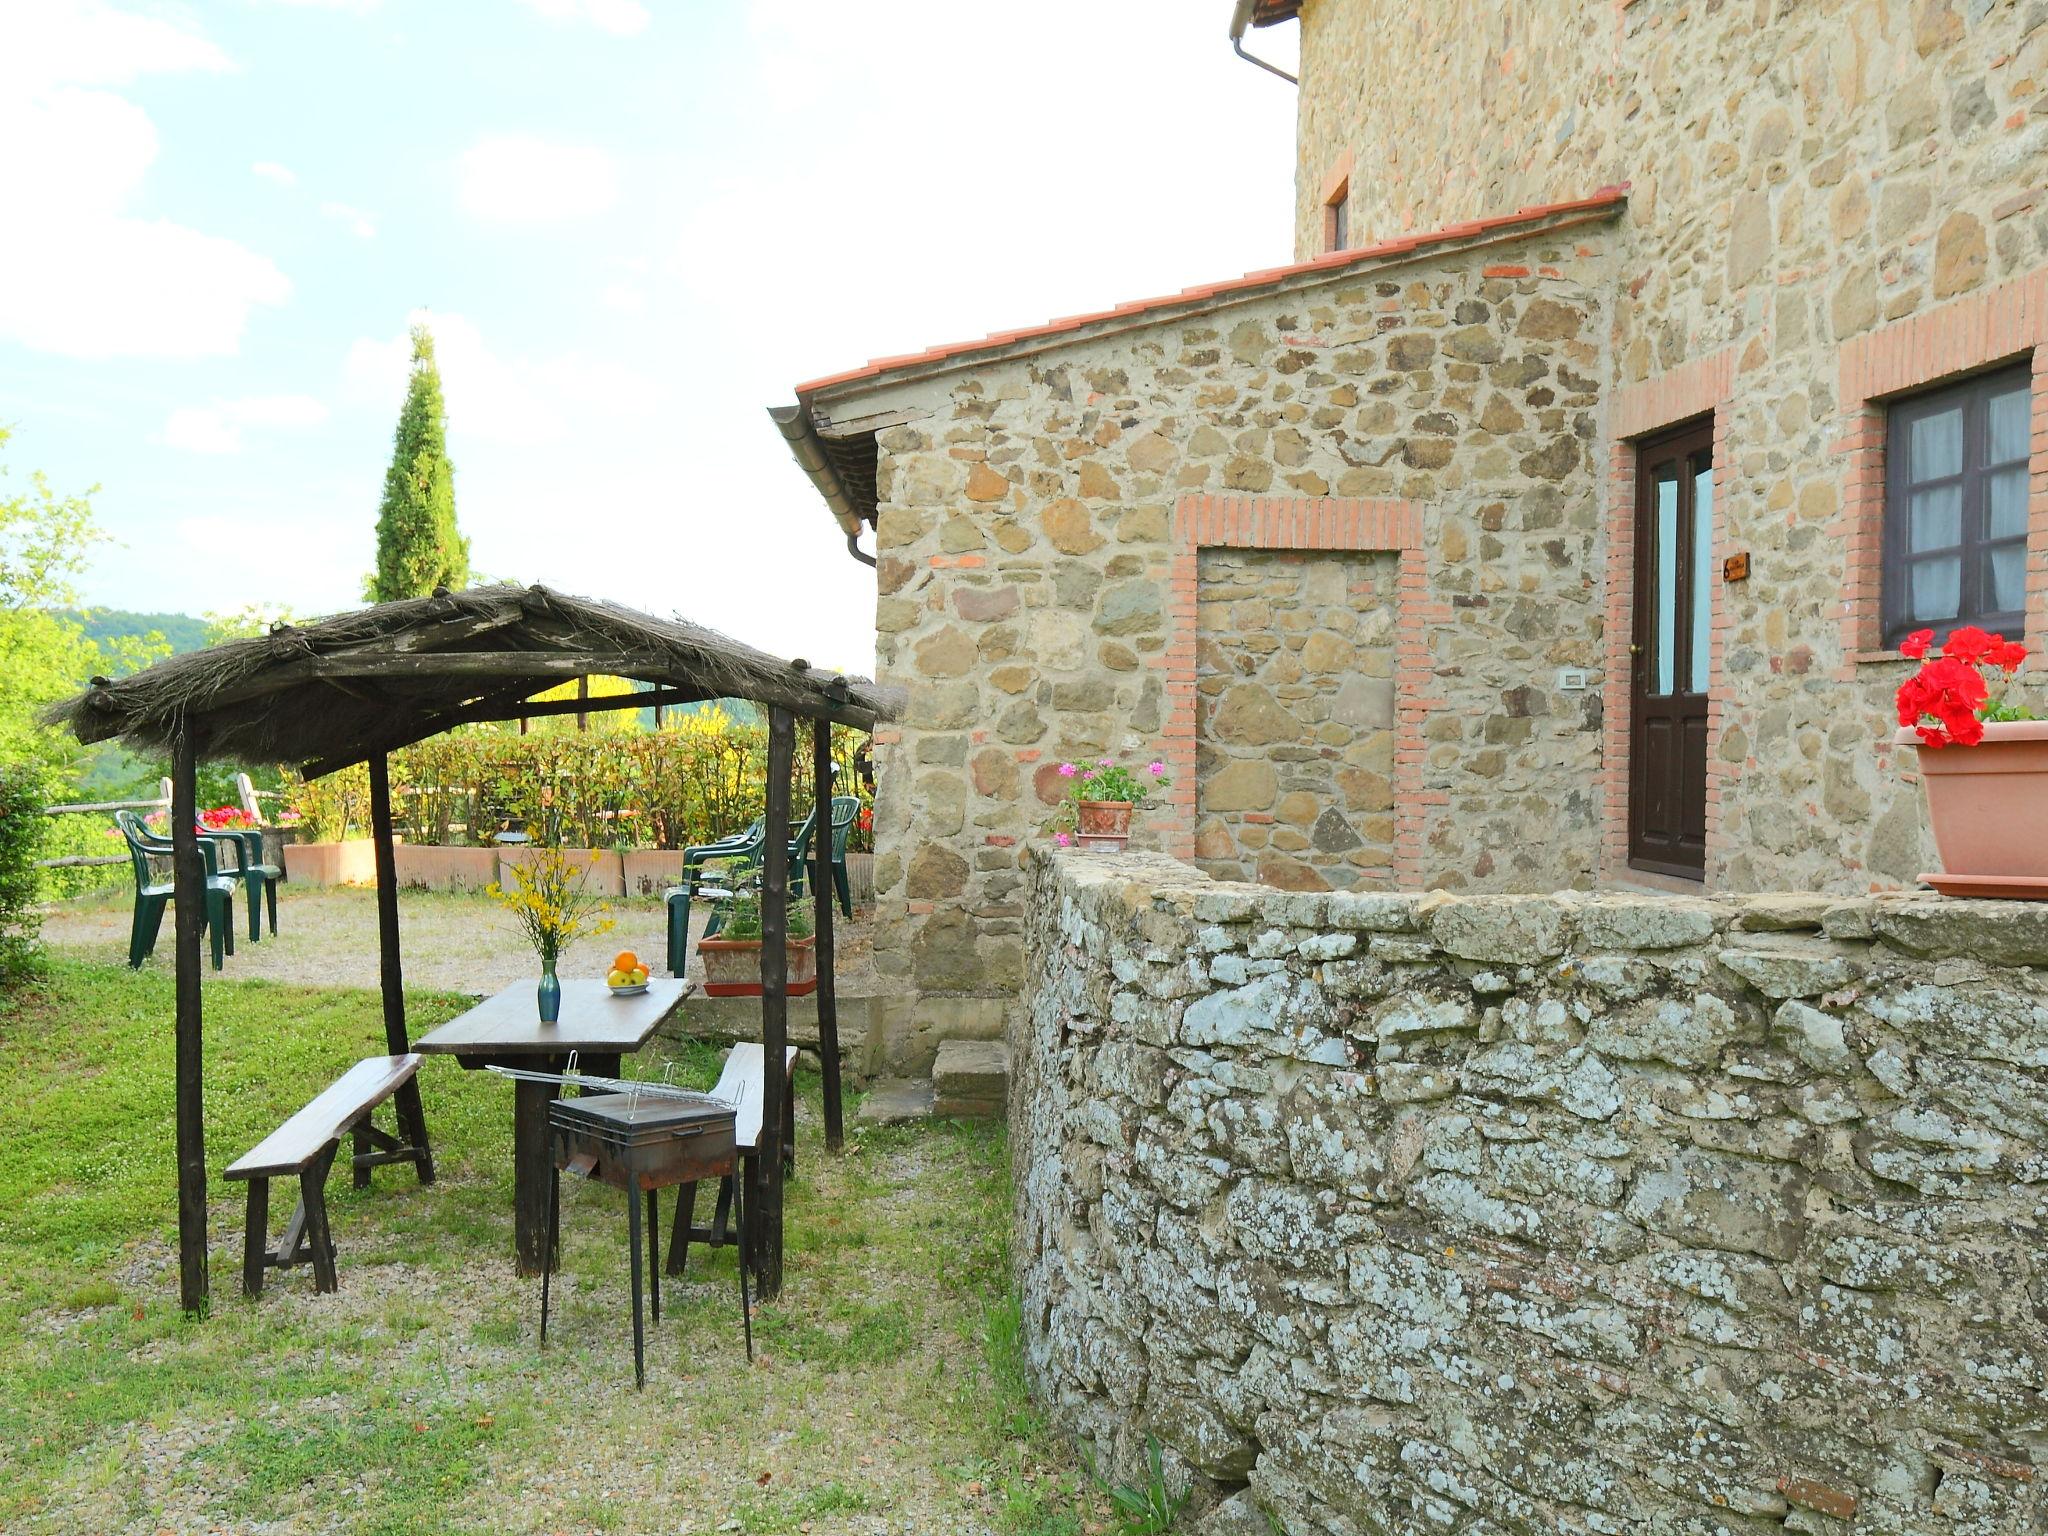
<point x="1692" y="390"/>
<point x="1984" y="330"/>
<point x="1328" y="525"/>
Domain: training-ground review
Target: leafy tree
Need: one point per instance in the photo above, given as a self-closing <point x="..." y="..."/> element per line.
<point x="419" y="547"/>
<point x="45" y="540"/>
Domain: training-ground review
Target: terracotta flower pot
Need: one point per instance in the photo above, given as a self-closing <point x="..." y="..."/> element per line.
<point x="1103" y="824"/>
<point x="732" y="967"/>
<point x="1985" y="804"/>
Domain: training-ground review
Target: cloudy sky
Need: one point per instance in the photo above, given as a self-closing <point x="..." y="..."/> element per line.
<point x="631" y="223"/>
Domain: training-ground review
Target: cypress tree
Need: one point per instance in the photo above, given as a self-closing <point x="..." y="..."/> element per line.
<point x="419" y="547"/>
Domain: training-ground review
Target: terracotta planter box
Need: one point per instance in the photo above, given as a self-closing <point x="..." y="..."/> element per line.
<point x="651" y="871"/>
<point x="438" y="868"/>
<point x="1103" y="824"/>
<point x="732" y="967"/>
<point x="352" y="863"/>
<point x="1985" y="805"/>
<point x="606" y="876"/>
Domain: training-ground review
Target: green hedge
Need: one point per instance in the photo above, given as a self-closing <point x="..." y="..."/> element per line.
<point x="23" y="829"/>
<point x="699" y="777"/>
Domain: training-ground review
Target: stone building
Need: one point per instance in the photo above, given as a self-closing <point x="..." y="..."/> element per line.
<point x="1646" y="369"/>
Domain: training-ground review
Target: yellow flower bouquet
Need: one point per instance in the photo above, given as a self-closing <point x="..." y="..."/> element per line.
<point x="555" y="906"/>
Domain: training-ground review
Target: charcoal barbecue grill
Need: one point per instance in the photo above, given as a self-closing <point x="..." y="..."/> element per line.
<point x="641" y="1143"/>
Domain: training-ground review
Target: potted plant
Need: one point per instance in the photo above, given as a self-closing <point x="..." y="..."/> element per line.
<point x="555" y="905"/>
<point x="732" y="956"/>
<point x="1102" y="799"/>
<point x="1984" y="762"/>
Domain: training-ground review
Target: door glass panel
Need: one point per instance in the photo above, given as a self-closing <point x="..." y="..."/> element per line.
<point x="1937" y="445"/>
<point x="1702" y="571"/>
<point x="1666" y="555"/>
<point x="2005" y="503"/>
<point x="2008" y="426"/>
<point x="1938" y="517"/>
<point x="2005" y="578"/>
<point x="1937" y="588"/>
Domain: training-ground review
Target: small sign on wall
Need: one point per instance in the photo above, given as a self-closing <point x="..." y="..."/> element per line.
<point x="1736" y="567"/>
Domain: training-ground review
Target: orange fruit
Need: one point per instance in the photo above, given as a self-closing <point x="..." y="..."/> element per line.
<point x="625" y="960"/>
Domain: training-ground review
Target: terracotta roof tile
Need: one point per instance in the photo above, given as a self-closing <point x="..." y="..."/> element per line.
<point x="1606" y="197"/>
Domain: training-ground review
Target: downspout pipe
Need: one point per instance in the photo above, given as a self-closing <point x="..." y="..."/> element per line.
<point x="794" y="423"/>
<point x="1240" y="19"/>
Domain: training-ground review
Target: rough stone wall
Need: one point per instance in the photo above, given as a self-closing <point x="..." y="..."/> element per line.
<point x="1456" y="109"/>
<point x="1027" y="528"/>
<point x="1295" y="717"/>
<point x="1802" y="173"/>
<point x="1497" y="1214"/>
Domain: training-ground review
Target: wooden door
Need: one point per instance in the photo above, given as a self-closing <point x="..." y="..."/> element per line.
<point x="1671" y="652"/>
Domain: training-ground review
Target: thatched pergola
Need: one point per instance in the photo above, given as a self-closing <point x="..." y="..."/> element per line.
<point x="355" y="687"/>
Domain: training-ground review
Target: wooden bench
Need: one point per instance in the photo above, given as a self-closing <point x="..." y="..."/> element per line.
<point x="305" y="1145"/>
<point x="743" y="1085"/>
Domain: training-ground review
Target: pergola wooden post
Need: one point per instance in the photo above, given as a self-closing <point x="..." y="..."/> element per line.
<point x="821" y="892"/>
<point x="412" y="1119"/>
<point x="356" y="687"/>
<point x="766" y="1198"/>
<point x="188" y="880"/>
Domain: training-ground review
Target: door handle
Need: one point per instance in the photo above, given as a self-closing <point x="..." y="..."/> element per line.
<point x="1635" y="650"/>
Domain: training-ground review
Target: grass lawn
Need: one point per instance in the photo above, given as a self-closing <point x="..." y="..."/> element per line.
<point x="888" y="1395"/>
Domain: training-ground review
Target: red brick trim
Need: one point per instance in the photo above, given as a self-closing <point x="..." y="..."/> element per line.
<point x="1308" y="523"/>
<point x="1336" y="193"/>
<point x="1638" y="410"/>
<point x="1998" y="325"/>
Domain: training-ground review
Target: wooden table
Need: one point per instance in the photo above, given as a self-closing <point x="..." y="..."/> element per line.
<point x="505" y="1030"/>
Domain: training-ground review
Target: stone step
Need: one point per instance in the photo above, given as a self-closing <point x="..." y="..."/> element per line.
<point x="971" y="1079"/>
<point x="895" y="1101"/>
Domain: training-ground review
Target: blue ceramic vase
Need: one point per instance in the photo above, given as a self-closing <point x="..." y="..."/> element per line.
<point x="550" y="996"/>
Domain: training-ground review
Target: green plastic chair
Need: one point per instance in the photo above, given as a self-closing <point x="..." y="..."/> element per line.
<point x="740" y="845"/>
<point x="845" y="808"/>
<point x="152" y="895"/>
<point x="259" y="880"/>
<point x="745" y="849"/>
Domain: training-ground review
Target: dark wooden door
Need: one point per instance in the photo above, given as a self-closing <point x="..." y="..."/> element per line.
<point x="1671" y="652"/>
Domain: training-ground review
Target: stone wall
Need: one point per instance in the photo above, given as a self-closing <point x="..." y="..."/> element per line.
<point x="1403" y="1212"/>
<point x="1032" y="513"/>
<point x="1295" y="717"/>
<point x="1803" y="175"/>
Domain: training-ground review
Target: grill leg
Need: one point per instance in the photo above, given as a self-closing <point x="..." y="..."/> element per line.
<point x="548" y="1250"/>
<point x="256" y="1237"/>
<point x="679" y="1234"/>
<point x="654" y="1252"/>
<point x="633" y="1247"/>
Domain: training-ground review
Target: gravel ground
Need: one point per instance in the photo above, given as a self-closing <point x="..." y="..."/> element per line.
<point x="327" y="937"/>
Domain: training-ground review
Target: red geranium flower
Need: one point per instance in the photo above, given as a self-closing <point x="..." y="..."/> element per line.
<point x="1944" y="702"/>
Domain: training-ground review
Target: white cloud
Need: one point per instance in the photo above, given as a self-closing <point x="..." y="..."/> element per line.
<point x="217" y="428"/>
<point x="626" y="298"/>
<point x="521" y="401"/>
<point x="96" y="282"/>
<point x="270" y="170"/>
<point x="516" y="178"/>
<point x="621" y="18"/>
<point x="88" y="42"/>
<point x="359" y="223"/>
